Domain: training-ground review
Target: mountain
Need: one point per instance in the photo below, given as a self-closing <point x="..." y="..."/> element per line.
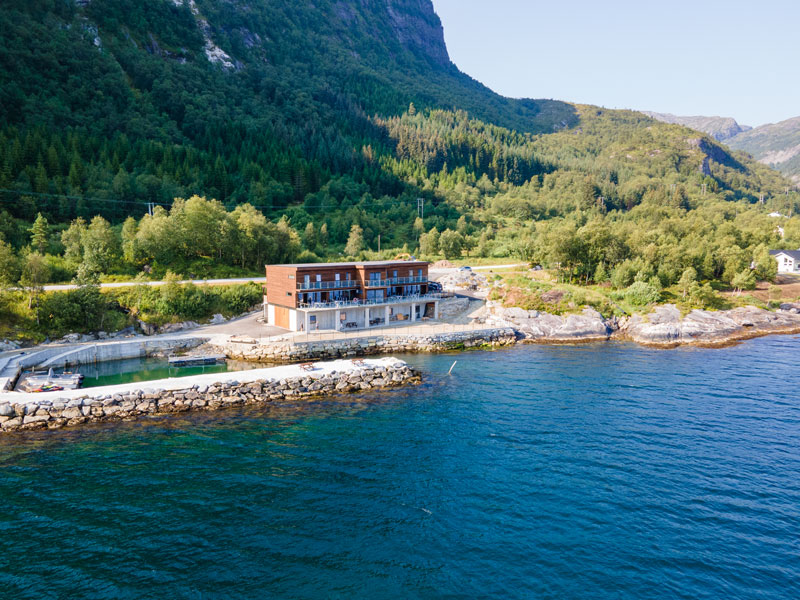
<point x="720" y="128"/>
<point x="776" y="144"/>
<point x="344" y="120"/>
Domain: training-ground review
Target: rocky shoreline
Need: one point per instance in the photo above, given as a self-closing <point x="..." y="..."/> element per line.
<point x="664" y="327"/>
<point x="295" y="351"/>
<point x="23" y="412"/>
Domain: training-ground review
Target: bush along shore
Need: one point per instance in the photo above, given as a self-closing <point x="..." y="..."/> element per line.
<point x="21" y="412"/>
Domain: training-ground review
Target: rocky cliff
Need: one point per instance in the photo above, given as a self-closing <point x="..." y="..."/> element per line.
<point x="720" y="128"/>
<point x="665" y="326"/>
<point x="775" y="144"/>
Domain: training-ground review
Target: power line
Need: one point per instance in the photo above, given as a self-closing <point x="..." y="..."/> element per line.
<point x="420" y="202"/>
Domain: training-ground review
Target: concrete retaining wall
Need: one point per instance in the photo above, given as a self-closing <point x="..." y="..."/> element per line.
<point x="19" y="412"/>
<point x="92" y="353"/>
<point x="367" y="346"/>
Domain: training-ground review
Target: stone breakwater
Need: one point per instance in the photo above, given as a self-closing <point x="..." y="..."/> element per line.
<point x="367" y="346"/>
<point x="206" y="393"/>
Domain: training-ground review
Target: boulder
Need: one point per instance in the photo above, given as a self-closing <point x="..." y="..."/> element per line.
<point x="6" y="345"/>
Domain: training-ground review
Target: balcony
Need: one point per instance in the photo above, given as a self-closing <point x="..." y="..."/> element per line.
<point x="367" y="303"/>
<point x="327" y="285"/>
<point x="394" y="281"/>
<point x="406" y="280"/>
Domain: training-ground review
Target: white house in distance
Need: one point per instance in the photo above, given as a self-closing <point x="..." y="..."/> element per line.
<point x="788" y="260"/>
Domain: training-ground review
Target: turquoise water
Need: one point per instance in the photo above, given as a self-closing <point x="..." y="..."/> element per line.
<point x="148" y="369"/>
<point x="599" y="471"/>
<point x="139" y="369"/>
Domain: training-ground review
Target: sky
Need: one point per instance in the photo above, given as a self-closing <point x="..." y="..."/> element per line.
<point x="735" y="58"/>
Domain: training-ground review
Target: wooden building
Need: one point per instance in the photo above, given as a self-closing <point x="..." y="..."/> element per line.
<point x="345" y="296"/>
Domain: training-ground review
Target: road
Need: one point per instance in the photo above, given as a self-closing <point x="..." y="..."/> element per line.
<point x="121" y="284"/>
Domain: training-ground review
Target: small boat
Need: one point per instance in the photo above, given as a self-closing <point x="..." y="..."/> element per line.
<point x="51" y="382"/>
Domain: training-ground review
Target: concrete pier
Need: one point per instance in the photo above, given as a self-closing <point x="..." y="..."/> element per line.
<point x="54" y="410"/>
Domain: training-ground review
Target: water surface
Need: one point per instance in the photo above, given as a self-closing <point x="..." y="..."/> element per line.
<point x="598" y="471"/>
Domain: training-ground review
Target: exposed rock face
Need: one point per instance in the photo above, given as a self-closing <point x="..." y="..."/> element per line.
<point x="538" y="326"/>
<point x="665" y="326"/>
<point x="6" y="345"/>
<point x="720" y="128"/>
<point x="775" y="144"/>
<point x="151" y="329"/>
<point x="418" y="28"/>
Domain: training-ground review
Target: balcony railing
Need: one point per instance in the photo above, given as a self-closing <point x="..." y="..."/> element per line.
<point x="402" y="280"/>
<point x="373" y="302"/>
<point x="394" y="281"/>
<point x="351" y="283"/>
<point x="327" y="285"/>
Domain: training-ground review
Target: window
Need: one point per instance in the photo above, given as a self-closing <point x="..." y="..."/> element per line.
<point x="319" y="278"/>
<point x="419" y="272"/>
<point x="288" y="293"/>
<point x="394" y="273"/>
<point x="411" y="272"/>
<point x="347" y="276"/>
<point x="307" y="279"/>
<point x="291" y="276"/>
<point x="337" y="277"/>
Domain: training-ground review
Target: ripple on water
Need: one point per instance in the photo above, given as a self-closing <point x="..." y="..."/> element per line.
<point x="597" y="471"/>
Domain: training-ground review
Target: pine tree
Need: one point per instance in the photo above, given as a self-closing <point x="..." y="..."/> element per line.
<point x="355" y="241"/>
<point x="39" y="233"/>
<point x="310" y="236"/>
<point x="323" y="237"/>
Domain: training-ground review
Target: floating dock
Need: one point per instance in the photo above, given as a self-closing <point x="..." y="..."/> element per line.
<point x="195" y="361"/>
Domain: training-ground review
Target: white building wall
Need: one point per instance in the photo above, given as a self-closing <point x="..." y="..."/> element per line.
<point x="294" y="323"/>
<point x="786" y="264"/>
<point x="270" y="314"/>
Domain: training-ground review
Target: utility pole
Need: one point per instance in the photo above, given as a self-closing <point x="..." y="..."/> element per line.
<point x="421" y="207"/>
<point x="379" y="243"/>
<point x="150" y="208"/>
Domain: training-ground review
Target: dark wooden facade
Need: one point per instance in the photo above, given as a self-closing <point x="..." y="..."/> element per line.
<point x="293" y="286"/>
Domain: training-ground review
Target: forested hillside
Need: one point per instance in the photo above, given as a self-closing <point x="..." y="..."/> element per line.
<point x="287" y="128"/>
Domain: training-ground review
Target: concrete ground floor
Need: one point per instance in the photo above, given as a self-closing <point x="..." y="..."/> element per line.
<point x="351" y="318"/>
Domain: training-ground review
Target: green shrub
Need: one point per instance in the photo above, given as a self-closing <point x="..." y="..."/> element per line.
<point x="640" y="293"/>
<point x="236" y="299"/>
<point x="80" y="311"/>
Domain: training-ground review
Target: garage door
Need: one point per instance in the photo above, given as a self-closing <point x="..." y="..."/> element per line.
<point x="282" y="317"/>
